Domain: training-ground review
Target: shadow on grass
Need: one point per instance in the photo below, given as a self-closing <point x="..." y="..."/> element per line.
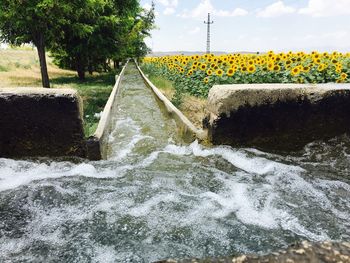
<point x="95" y="80"/>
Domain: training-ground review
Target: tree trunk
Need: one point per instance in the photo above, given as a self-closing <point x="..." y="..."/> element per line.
<point x="90" y="69"/>
<point x="105" y="66"/>
<point x="80" y="69"/>
<point x="40" y="45"/>
<point x="117" y="62"/>
<point x="81" y="74"/>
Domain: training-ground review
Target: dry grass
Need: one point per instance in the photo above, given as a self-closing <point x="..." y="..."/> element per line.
<point x="21" y="68"/>
<point x="192" y="107"/>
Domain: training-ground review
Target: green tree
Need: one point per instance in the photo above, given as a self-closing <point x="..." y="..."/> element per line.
<point x="100" y="32"/>
<point x="33" y="21"/>
<point x="86" y="38"/>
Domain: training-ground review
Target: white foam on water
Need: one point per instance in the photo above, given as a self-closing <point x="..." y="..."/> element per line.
<point x="44" y="226"/>
<point x="12" y="246"/>
<point x="104" y="254"/>
<point x="235" y="199"/>
<point x="127" y="124"/>
<point x="17" y="173"/>
<point x="146" y="207"/>
<point x="332" y="185"/>
<point x="296" y="184"/>
<point x="241" y="160"/>
<point x="291" y="223"/>
<point x="178" y="150"/>
<point x="126" y="150"/>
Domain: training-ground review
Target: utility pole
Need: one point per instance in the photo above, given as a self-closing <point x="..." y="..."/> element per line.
<point x="208" y="23"/>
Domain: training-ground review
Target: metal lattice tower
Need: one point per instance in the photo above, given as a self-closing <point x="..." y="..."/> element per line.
<point x="208" y="23"/>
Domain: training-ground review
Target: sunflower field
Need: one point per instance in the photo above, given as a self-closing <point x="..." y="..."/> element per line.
<point x="196" y="74"/>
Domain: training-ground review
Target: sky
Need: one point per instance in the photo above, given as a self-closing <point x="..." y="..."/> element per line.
<point x="251" y="25"/>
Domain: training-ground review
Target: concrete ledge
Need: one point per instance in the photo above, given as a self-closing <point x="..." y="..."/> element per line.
<point x="97" y="145"/>
<point x="277" y="116"/>
<point x="301" y="252"/>
<point x="40" y="122"/>
<point x="187" y="129"/>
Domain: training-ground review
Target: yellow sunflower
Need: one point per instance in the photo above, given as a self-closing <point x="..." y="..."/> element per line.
<point x="277" y="68"/>
<point x="251" y="69"/>
<point x="203" y="67"/>
<point x="295" y="71"/>
<point x="219" y="72"/>
<point x="322" y="67"/>
<point x="230" y="72"/>
<point x="270" y="66"/>
<point x="306" y="69"/>
<point x="343" y="76"/>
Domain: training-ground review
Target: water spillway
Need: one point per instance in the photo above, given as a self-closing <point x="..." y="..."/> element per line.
<point x="157" y="197"/>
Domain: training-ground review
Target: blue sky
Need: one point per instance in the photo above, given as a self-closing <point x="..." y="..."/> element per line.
<point x="252" y="25"/>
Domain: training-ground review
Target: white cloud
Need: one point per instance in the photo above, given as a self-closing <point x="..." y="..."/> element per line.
<point x="169" y="11"/>
<point x="236" y="12"/>
<point x="239" y="12"/>
<point x="324" y="8"/>
<point x="275" y="10"/>
<point x="336" y="37"/>
<point x="200" y="11"/>
<point x="205" y="7"/>
<point x="174" y="3"/>
<point x="147" y="6"/>
<point x="170" y="6"/>
<point x="194" y="31"/>
<point x="168" y="3"/>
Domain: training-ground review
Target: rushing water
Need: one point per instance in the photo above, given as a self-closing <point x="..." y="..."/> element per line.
<point x="157" y="197"/>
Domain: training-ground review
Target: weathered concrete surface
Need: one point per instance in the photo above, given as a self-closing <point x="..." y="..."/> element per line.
<point x="277" y="116"/>
<point x="97" y="145"/>
<point x="41" y="122"/>
<point x="304" y="252"/>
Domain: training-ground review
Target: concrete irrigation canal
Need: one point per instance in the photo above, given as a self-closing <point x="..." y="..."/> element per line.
<point x="156" y="197"/>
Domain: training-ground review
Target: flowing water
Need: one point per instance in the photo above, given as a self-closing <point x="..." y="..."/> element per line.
<point x="157" y="197"/>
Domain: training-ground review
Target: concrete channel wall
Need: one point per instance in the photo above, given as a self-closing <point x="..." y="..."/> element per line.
<point x="186" y="128"/>
<point x="41" y="122"/>
<point x="277" y="116"/>
<point x="48" y="122"/>
<point x="97" y="145"/>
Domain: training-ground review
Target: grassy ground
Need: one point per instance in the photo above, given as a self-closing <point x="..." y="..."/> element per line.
<point x="20" y="67"/>
<point x="192" y="107"/>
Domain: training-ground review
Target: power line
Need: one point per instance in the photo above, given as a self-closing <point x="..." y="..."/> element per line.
<point x="208" y="23"/>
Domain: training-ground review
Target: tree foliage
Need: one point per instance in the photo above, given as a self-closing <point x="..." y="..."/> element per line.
<point x="83" y="35"/>
<point x="33" y="21"/>
<point x="106" y="31"/>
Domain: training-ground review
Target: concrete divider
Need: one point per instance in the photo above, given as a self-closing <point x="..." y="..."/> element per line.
<point x="40" y="122"/>
<point x="97" y="145"/>
<point x="277" y="116"/>
<point x="187" y="129"/>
